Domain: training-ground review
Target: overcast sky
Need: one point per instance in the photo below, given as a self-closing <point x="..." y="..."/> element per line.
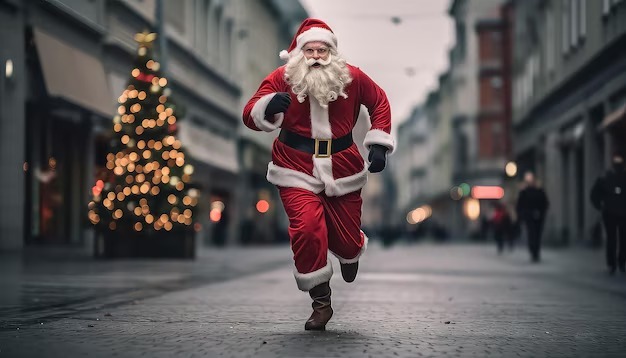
<point x="404" y="59"/>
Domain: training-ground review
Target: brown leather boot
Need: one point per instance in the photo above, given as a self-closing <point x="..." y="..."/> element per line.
<point x="322" y="312"/>
<point x="349" y="271"/>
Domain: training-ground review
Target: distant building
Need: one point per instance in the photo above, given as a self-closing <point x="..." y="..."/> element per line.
<point x="569" y="96"/>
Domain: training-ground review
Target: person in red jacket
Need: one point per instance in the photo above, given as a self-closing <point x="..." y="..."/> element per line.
<point x="315" y="99"/>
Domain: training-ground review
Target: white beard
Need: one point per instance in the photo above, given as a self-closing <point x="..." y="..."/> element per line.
<point x="324" y="83"/>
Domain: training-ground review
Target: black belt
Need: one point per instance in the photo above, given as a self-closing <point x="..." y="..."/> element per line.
<point x="322" y="148"/>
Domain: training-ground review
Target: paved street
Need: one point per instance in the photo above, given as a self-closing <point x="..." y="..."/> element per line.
<point x="408" y="301"/>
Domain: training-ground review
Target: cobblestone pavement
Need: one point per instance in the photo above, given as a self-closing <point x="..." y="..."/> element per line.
<point x="408" y="301"/>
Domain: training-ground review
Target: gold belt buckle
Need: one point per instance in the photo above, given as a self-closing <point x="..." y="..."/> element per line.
<point x="327" y="145"/>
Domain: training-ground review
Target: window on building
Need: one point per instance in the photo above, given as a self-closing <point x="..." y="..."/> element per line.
<point x="497" y="139"/>
<point x="565" y="27"/>
<point x="550" y="40"/>
<point x="606" y="7"/>
<point x="582" y="11"/>
<point x="573" y="20"/>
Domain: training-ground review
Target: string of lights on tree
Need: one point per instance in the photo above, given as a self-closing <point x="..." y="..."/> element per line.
<point x="149" y="184"/>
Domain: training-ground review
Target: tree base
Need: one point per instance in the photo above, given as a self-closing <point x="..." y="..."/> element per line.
<point x="118" y="244"/>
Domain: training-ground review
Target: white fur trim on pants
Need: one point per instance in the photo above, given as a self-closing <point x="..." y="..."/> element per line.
<point x="358" y="256"/>
<point x="258" y="114"/>
<point x="307" y="281"/>
<point x="377" y="136"/>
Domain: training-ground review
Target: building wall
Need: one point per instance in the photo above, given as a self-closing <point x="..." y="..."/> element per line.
<point x="568" y="78"/>
<point x="12" y="126"/>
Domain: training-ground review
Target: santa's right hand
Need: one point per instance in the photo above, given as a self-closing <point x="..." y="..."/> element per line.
<point x="279" y="103"/>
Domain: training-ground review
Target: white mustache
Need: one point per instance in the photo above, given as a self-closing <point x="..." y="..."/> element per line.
<point x="312" y="61"/>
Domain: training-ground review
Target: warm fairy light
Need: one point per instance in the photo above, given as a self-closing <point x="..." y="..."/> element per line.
<point x="133" y="94"/>
<point x="137" y="211"/>
<point x="139" y="130"/>
<point x="130" y="118"/>
<point x="112" y="225"/>
<point x="165" y="171"/>
<point x="147" y="154"/>
<point x="169" y="140"/>
<point x="121" y="109"/>
<point x="121" y="196"/>
<point x="262" y="206"/>
<point x="154" y="88"/>
<point x="215" y="215"/>
<point x="162" y="99"/>
<point x="131" y="167"/>
<point x="165" y="155"/>
<point x="149" y="64"/>
<point x="111" y="196"/>
<point x="145" y="188"/>
<point x="141" y="144"/>
<point x="133" y="156"/>
<point x="142" y="95"/>
<point x="142" y="51"/>
<point x="163" y="116"/>
<point x="177" y="144"/>
<point x="187" y="200"/>
<point x="174" y="180"/>
<point x="110" y="156"/>
<point x="126" y="191"/>
<point x="149" y="219"/>
<point x="172" y="199"/>
<point x="144" y="123"/>
<point x="160" y="108"/>
<point x="156" y="180"/>
<point x="129" y="179"/>
<point x="164" y="218"/>
<point x="180" y="161"/>
<point x="145" y="209"/>
<point x="163" y="82"/>
<point x="188" y="169"/>
<point x="135" y="108"/>
<point x="180" y="186"/>
<point x="171" y="120"/>
<point x="118" y="213"/>
<point x="187" y="213"/>
<point x="124" y="162"/>
<point x="138" y="226"/>
<point x="118" y="171"/>
<point x="165" y="179"/>
<point x="117" y="127"/>
<point x="135" y="72"/>
<point x="155" y="190"/>
<point x="158" y="145"/>
<point x="125" y="139"/>
<point x="169" y="111"/>
<point x="135" y="189"/>
<point x="168" y="226"/>
<point x="140" y="178"/>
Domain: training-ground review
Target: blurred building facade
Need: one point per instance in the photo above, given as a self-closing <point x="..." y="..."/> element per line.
<point x="466" y="120"/>
<point x="569" y="97"/>
<point x="66" y="62"/>
<point x="265" y="28"/>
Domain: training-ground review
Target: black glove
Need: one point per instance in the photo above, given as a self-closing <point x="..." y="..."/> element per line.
<point x="377" y="158"/>
<point x="278" y="103"/>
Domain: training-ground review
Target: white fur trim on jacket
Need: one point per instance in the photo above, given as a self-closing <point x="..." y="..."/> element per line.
<point x="258" y="114"/>
<point x="307" y="281"/>
<point x="356" y="258"/>
<point x="377" y="136"/>
<point x="290" y="178"/>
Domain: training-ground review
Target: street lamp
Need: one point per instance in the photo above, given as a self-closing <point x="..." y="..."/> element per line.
<point x="510" y="169"/>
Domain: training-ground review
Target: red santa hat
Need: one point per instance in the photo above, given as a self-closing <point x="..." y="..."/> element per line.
<point x="310" y="30"/>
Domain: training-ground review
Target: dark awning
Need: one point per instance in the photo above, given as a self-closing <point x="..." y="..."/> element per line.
<point x="74" y="75"/>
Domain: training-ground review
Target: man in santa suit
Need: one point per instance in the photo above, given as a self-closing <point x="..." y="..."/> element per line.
<point x="314" y="100"/>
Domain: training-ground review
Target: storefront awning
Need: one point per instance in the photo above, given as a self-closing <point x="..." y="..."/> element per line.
<point x="208" y="147"/>
<point x="73" y="75"/>
<point x="614" y="118"/>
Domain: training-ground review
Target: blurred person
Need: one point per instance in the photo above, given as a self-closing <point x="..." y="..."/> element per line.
<point x="502" y="225"/>
<point x="532" y="205"/>
<point x="608" y="195"/>
<point x="315" y="99"/>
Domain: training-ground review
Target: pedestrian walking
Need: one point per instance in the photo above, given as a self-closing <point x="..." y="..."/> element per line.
<point x="315" y="99"/>
<point x="608" y="195"/>
<point x="502" y="225"/>
<point x="532" y="205"/>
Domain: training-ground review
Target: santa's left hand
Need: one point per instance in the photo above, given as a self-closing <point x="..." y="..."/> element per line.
<point x="377" y="158"/>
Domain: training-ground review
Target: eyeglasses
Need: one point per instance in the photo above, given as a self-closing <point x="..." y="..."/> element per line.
<point x="320" y="51"/>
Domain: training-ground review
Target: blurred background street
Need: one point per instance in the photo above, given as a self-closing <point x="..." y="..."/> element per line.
<point x="509" y="118"/>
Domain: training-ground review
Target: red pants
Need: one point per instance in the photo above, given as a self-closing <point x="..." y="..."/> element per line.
<point x="318" y="224"/>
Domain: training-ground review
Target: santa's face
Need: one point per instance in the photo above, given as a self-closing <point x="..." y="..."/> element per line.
<point x="316" y="53"/>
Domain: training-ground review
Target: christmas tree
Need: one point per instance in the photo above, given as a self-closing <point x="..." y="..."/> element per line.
<point x="147" y="189"/>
